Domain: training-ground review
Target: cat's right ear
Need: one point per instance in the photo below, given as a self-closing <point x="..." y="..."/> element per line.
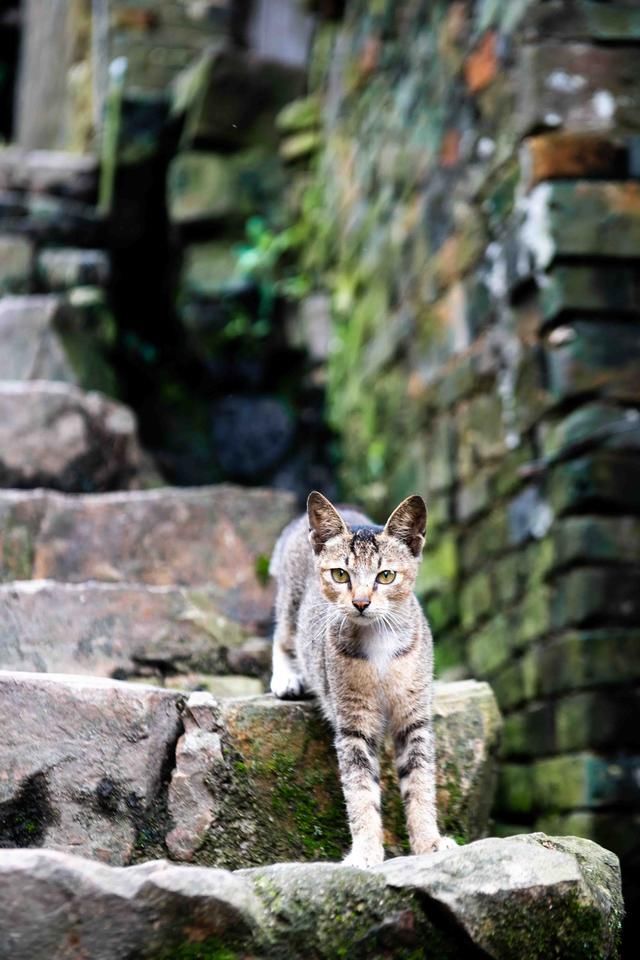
<point x="324" y="521"/>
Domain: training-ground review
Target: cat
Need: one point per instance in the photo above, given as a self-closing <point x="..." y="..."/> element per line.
<point x="349" y="630"/>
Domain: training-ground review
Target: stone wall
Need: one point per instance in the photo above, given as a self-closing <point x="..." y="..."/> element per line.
<point x="480" y="177"/>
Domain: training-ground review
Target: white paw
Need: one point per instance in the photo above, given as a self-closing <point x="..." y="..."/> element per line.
<point x="434" y="845"/>
<point x="287" y="686"/>
<point x="364" y="857"/>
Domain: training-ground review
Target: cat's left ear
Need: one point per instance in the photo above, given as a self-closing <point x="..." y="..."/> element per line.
<point x="324" y="521"/>
<point x="408" y="523"/>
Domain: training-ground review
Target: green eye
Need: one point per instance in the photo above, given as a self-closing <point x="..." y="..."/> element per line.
<point x="340" y="575"/>
<point x="386" y="576"/>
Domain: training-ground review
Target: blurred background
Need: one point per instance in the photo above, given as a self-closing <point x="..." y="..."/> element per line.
<point x="372" y="248"/>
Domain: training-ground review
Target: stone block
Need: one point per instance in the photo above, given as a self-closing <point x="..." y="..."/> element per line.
<point x="123" y="631"/>
<point x="584" y="780"/>
<point x="589" y="482"/>
<point x="588" y="595"/>
<point x="476" y="599"/>
<point x="209" y="271"/>
<point x="63" y="268"/>
<point x="219" y="537"/>
<point x="490" y="646"/>
<point x="53" y="172"/>
<point x="439" y="567"/>
<point x="577" y="86"/>
<point x="55" y="435"/>
<point x="16" y="264"/>
<point x="592" y="657"/>
<point x="589" y="357"/>
<point x="562" y="156"/>
<point x="605" y="288"/>
<point x="580" y="20"/>
<point x="594" y="424"/>
<point x="302" y="114"/>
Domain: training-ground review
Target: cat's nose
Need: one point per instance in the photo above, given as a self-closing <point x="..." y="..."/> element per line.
<point x="361" y="605"/>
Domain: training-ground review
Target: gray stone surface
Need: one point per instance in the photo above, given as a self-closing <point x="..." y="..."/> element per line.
<point x="55" y="435"/>
<point x="219" y="536"/>
<point x="83" y="761"/>
<point x="123" y="630"/>
<point x="57" y="905"/>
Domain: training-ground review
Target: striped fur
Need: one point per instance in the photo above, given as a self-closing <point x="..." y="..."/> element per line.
<point x="369" y="666"/>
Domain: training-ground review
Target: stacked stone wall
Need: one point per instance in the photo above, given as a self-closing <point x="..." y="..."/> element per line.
<point x="480" y="175"/>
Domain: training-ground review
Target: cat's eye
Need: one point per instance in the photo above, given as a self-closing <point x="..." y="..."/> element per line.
<point x="340" y="575"/>
<point x="386" y="576"/>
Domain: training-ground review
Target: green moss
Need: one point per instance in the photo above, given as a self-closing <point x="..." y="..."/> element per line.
<point x="262" y="568"/>
<point x="210" y="949"/>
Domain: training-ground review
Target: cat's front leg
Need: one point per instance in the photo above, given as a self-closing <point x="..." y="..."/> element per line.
<point x="358" y="734"/>
<point x="286" y="679"/>
<point x="412" y="729"/>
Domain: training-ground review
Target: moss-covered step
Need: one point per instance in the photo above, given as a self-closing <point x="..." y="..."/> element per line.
<point x="534" y="897"/>
<point x="56" y="435"/>
<point x="124" y="630"/>
<point x="219" y="536"/>
<point x="44" y="338"/>
<point x="125" y="772"/>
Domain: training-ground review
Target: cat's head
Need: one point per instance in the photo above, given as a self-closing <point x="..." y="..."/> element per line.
<point x="366" y="571"/>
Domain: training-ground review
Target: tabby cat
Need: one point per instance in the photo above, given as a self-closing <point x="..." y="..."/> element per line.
<point x="350" y="631"/>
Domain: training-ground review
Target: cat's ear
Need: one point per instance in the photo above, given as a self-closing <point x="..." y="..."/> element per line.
<point x="408" y="523"/>
<point x="324" y="521"/>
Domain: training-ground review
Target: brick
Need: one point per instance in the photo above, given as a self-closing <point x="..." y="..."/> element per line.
<point x="585" y="780"/>
<point x="439" y="567"/>
<point x="531" y="619"/>
<point x="594" y="539"/>
<point x="517" y="682"/>
<point x="580" y="20"/>
<point x="604" y="288"/>
<point x="600" y="721"/>
<point x="606" y="478"/>
<point x="529" y="732"/>
<point x="474" y="497"/>
<point x="588" y="595"/>
<point x="16" y="254"/>
<point x="514" y="792"/>
<point x="481" y="65"/>
<point x="594" y="424"/>
<point x="476" y="599"/>
<point x="562" y="155"/>
<point x="490" y="647"/>
<point x="585" y="658"/>
<point x="577" y="86"/>
<point x="586" y="356"/>
<point x="487" y="538"/>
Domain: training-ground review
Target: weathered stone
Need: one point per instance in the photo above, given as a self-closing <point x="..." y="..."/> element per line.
<point x="577" y="87"/>
<point x="585" y="780"/>
<point x="198" y="759"/>
<point x="587" y="356"/>
<point x="607" y="288"/>
<point x="300" y="114"/>
<point x="66" y="267"/>
<point x="300" y="146"/>
<point x="583" y="659"/>
<point x="209" y="270"/>
<point x="55" y="435"/>
<point x="220" y="537"/>
<point x="230" y="99"/>
<point x="16" y="254"/>
<point x="43" y="339"/>
<point x="213" y="186"/>
<point x="279" y="797"/>
<point x="83" y="762"/>
<point x="221" y="685"/>
<point x="604" y="477"/>
<point x="123" y="631"/>
<point x="489" y="887"/>
<point x="47" y="171"/>
<point x="580" y="20"/>
<point x="584" y="596"/>
<point x="594" y="424"/>
<point x="562" y="155"/>
<point x="494" y="895"/>
<point x="153" y="910"/>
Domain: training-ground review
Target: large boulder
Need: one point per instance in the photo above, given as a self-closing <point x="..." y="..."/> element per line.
<point x="56" y="435"/>
<point x="123" y="630"/>
<point x="219" y="536"/>
<point x="83" y="761"/>
<point x="43" y="338"/>
<point x="564" y="893"/>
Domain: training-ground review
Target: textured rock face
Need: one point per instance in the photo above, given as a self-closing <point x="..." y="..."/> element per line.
<point x="122" y="630"/>
<point x="53" y="904"/>
<point x="219" y="536"/>
<point x="83" y="761"/>
<point x="121" y="772"/>
<point x="55" y="435"/>
<point x="44" y="340"/>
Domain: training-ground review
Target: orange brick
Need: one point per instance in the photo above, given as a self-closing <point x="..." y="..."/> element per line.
<point x="450" y="149"/>
<point x="136" y="18"/>
<point x="552" y="156"/>
<point x="481" y="66"/>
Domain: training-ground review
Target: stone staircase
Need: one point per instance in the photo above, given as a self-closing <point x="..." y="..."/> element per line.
<point x="124" y="607"/>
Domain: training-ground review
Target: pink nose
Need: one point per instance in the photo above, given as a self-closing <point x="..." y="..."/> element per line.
<point x="361" y="605"/>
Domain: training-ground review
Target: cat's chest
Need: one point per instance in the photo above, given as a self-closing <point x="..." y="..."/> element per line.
<point x="380" y="649"/>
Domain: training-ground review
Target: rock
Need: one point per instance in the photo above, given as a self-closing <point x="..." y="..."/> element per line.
<point x="219" y="686"/>
<point x="252" y="434"/>
<point x="84" y="762"/>
<point x="86" y="909"/>
<point x="506" y="899"/>
<point x="230" y="99"/>
<point x="220" y="537"/>
<point x="198" y="759"/>
<point x="209" y="270"/>
<point x="279" y="797"/>
<point x="16" y="255"/>
<point x="126" y="630"/>
<point x="49" y="171"/>
<point x="45" y="339"/>
<point x="503" y="894"/>
<point x="55" y="435"/>
<point x="67" y="267"/>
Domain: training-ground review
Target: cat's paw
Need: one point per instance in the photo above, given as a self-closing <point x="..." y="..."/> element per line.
<point x="434" y="845"/>
<point x="364" y="857"/>
<point x="287" y="686"/>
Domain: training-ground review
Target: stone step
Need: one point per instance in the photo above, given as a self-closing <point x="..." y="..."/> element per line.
<point x="122" y="631"/>
<point x="56" y="435"/>
<point x="50" y="172"/>
<point x="124" y="772"/>
<point x="534" y="897"/>
<point x="44" y="338"/>
<point x="219" y="536"/>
